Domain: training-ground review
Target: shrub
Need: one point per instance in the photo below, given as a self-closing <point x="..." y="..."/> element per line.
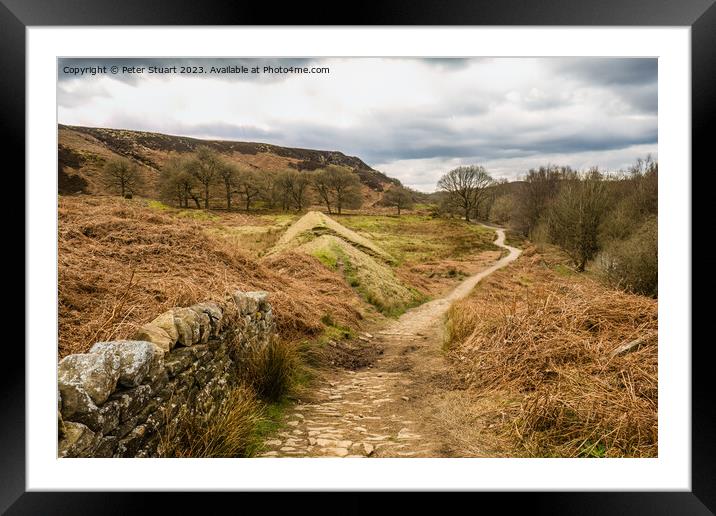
<point x="632" y="264"/>
<point x="502" y="208"/>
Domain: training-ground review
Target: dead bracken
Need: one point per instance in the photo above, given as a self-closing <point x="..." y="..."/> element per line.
<point x="122" y="263"/>
<point x="551" y="340"/>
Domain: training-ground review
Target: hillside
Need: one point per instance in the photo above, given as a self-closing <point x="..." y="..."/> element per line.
<point x="83" y="150"/>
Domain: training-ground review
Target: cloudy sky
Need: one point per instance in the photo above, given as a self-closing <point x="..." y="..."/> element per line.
<point x="413" y="119"/>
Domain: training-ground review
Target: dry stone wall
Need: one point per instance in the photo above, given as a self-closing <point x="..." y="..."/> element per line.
<point x="115" y="400"/>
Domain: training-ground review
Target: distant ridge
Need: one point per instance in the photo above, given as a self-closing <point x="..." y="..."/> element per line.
<point x="83" y="150"/>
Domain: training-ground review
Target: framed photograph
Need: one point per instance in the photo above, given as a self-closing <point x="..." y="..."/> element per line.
<point x="427" y="251"/>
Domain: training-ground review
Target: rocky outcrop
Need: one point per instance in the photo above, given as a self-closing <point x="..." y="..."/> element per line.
<point x="115" y="400"/>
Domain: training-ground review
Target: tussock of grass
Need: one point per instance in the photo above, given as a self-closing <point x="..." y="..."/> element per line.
<point x="550" y="340"/>
<point x="229" y="432"/>
<point x="271" y="370"/>
<point x="515" y="239"/>
<point x="158" y="205"/>
<point x="250" y="412"/>
<point x="197" y="215"/>
<point x="313" y="352"/>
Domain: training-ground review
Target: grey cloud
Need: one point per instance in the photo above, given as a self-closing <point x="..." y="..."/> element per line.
<point x="393" y="142"/>
<point x="402" y="138"/>
<point x="610" y="71"/>
<point x="643" y="98"/>
<point x="451" y="63"/>
<point x="632" y="79"/>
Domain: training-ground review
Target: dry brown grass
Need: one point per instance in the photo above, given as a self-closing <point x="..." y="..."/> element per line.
<point x="438" y="276"/>
<point x="228" y="433"/>
<point x="121" y="263"/>
<point x="548" y="335"/>
<point x="271" y="370"/>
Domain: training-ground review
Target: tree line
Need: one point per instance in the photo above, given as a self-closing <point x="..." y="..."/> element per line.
<point x="205" y="179"/>
<point x="608" y="219"/>
<point x="205" y="176"/>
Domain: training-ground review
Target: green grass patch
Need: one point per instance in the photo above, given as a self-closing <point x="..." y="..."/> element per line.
<point x="280" y="219"/>
<point x="271" y="422"/>
<point x="596" y="450"/>
<point x="420" y="238"/>
<point x="563" y="270"/>
<point x="197" y="215"/>
<point x="158" y="205"/>
<point x="326" y="257"/>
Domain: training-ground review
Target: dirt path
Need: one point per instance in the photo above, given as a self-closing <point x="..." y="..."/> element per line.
<point x="387" y="409"/>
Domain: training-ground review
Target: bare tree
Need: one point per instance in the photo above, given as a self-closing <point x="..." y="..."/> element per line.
<point x="281" y="189"/>
<point x="205" y="168"/>
<point x="248" y="185"/>
<point x="122" y="175"/>
<point x="575" y="215"/>
<point x="177" y="183"/>
<point x="399" y="197"/>
<point x="299" y="183"/>
<point x="540" y="187"/>
<point x="466" y="187"/>
<point x="228" y="173"/>
<point x="322" y="185"/>
<point x="338" y="188"/>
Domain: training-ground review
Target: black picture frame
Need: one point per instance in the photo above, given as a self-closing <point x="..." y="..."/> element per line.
<point x="700" y="15"/>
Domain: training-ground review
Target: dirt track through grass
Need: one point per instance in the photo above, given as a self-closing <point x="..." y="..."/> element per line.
<point x="384" y="410"/>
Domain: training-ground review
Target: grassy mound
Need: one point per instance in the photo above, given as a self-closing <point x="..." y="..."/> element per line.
<point x="364" y="265"/>
<point x="315" y="223"/>
<point x="372" y="279"/>
<point x="551" y="340"/>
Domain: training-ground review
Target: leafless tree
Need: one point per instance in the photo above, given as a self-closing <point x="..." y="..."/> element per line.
<point x="176" y="182"/>
<point x="299" y="183"/>
<point x="248" y="185"/>
<point x="280" y="189"/>
<point x="575" y="215"/>
<point x="322" y="185"/>
<point x="466" y="187"/>
<point x="228" y="173"/>
<point x="338" y="188"/>
<point x="122" y="175"/>
<point x="535" y="194"/>
<point x="205" y="168"/>
<point x="399" y="197"/>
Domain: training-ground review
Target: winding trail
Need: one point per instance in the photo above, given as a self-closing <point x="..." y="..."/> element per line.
<point x="383" y="410"/>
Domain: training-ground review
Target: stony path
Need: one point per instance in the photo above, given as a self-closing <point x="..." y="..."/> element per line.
<point x="381" y="411"/>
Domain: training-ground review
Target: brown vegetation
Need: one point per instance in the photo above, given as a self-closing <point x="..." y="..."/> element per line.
<point x="548" y="336"/>
<point x="121" y="263"/>
<point x="230" y="432"/>
<point x="269" y="371"/>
